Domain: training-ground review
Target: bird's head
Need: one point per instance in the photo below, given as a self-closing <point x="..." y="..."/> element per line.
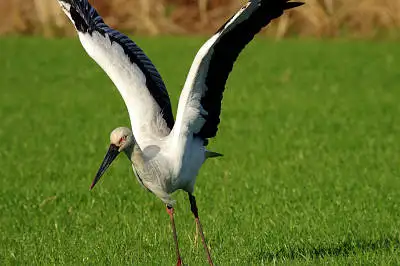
<point x="121" y="139"/>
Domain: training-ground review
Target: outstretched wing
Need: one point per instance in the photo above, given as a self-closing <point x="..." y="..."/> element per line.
<point x="200" y="101"/>
<point x="136" y="78"/>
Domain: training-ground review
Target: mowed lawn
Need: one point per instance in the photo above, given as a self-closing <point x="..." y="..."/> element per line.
<point x="311" y="174"/>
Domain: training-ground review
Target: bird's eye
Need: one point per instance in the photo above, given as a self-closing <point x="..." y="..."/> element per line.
<point x="122" y="139"/>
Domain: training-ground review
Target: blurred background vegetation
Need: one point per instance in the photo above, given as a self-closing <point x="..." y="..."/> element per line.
<point x="318" y="18"/>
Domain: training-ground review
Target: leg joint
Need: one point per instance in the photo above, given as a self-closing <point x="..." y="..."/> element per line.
<point x="170" y="210"/>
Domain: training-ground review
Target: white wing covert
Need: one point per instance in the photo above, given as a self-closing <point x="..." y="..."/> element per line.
<point x="136" y="78"/>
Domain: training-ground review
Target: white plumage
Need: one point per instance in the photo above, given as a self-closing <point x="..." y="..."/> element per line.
<point x="143" y="111"/>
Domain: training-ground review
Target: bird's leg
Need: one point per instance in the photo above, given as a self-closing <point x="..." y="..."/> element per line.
<point x="195" y="212"/>
<point x="196" y="236"/>
<point x="170" y="211"/>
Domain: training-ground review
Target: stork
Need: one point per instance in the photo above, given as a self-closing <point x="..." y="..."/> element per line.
<point x="166" y="154"/>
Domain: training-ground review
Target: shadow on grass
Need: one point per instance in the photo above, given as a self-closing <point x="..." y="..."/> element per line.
<point x="344" y="248"/>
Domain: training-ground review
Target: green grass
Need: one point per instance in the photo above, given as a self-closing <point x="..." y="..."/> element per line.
<point x="311" y="136"/>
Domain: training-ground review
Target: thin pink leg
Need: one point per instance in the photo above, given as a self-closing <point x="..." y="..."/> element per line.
<point x="170" y="211"/>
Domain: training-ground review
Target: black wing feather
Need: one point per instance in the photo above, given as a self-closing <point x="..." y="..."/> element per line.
<point x="226" y="50"/>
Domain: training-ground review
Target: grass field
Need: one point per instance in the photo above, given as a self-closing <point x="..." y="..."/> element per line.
<point x="311" y="136"/>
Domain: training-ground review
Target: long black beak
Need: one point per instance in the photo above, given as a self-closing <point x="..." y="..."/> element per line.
<point x="112" y="153"/>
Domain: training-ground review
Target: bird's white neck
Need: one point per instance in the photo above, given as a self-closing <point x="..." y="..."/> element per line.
<point x="134" y="153"/>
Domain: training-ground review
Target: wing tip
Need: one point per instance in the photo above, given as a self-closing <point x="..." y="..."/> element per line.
<point x="81" y="13"/>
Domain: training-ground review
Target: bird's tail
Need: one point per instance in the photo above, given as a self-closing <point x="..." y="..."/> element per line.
<point x="211" y="154"/>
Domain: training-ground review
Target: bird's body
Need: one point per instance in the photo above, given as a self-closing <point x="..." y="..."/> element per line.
<point x="158" y="169"/>
<point x="167" y="155"/>
<point x="159" y="164"/>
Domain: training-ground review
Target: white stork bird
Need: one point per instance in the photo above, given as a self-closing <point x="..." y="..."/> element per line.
<point x="167" y="155"/>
